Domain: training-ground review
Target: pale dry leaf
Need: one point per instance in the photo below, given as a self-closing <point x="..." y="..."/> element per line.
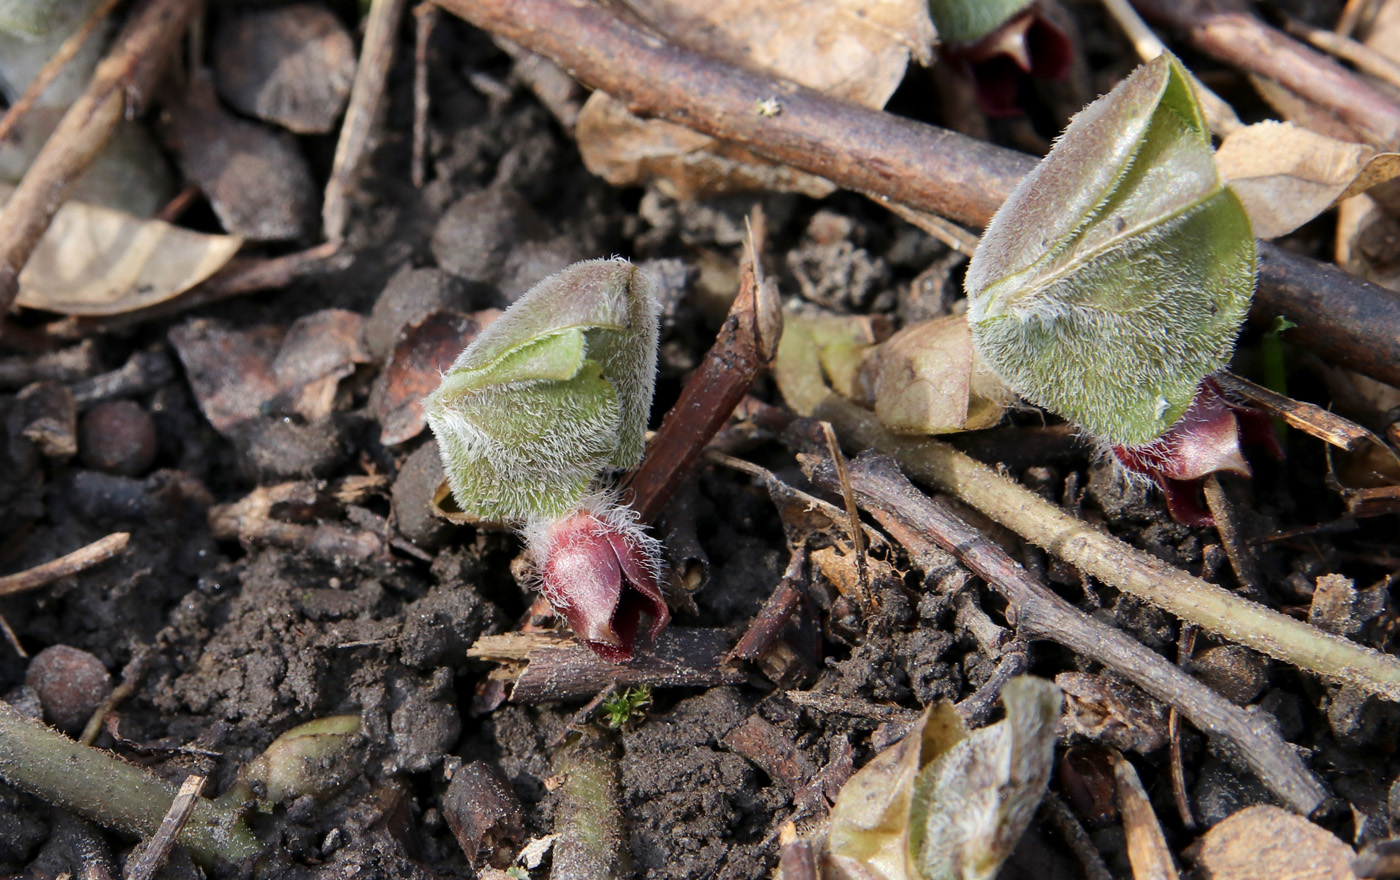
<point x="851" y="49"/>
<point x="1268" y="843"/>
<point x="1287" y="175"/>
<point x="1147" y="846"/>
<point x="926" y="380"/>
<point x="97" y="261"/>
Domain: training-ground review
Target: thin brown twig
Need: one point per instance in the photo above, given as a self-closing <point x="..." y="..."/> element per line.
<point x="1185" y="647"/>
<point x="84" y="557"/>
<point x="371" y="75"/>
<point x="1309" y="418"/>
<point x="1237" y="550"/>
<point x="54" y="66"/>
<point x="1114" y="562"/>
<point x="848" y="497"/>
<point x="1349" y="321"/>
<point x="131" y="69"/>
<point x="13" y="638"/>
<point x="425" y="18"/>
<point x="157" y="849"/>
<point x="132" y="673"/>
<point x="745" y="345"/>
<point x="913" y="519"/>
<point x="1364" y="57"/>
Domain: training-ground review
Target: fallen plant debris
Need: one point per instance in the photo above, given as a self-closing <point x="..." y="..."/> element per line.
<point x="670" y="263"/>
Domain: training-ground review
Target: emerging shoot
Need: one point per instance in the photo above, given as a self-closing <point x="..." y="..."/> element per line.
<point x="553" y="393"/>
<point x="1115" y="279"/>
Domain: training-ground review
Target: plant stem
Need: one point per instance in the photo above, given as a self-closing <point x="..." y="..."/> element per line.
<point x="1134" y="572"/>
<point x="100" y="787"/>
<point x="590" y="822"/>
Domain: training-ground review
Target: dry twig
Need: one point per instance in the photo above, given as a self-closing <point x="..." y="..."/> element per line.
<point x="371" y="75"/>
<point x="914" y="520"/>
<point x="1242" y="40"/>
<point x="54" y="66"/>
<point x="1097" y="553"/>
<point x="84" y="557"/>
<point x="745" y="346"/>
<point x="157" y="849"/>
<point x="1309" y="418"/>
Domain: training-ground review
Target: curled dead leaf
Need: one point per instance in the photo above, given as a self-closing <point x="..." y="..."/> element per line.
<point x="926" y="379"/>
<point x="1286" y="175"/>
<point x="98" y="261"/>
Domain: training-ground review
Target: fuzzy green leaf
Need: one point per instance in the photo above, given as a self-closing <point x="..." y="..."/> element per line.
<point x="556" y="390"/>
<point x="1118" y="273"/>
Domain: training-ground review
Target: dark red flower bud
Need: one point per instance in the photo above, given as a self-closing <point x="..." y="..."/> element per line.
<point x="1203" y="441"/>
<point x="1028" y="44"/>
<point x="600" y="572"/>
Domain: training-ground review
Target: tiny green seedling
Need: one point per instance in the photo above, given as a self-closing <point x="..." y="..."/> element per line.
<point x="547" y="398"/>
<point x="626" y="707"/>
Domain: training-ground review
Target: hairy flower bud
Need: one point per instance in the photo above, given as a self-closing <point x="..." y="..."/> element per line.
<point x="600" y="571"/>
<point x="1203" y="441"/>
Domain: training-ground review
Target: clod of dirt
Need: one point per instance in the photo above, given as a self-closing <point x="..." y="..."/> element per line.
<point x="71" y="684"/>
<point x="412" y="496"/>
<point x="483" y="813"/>
<point x="48" y="419"/>
<point x="689" y="800"/>
<point x="425" y="724"/>
<point x="118" y="437"/>
<point x="1237" y="674"/>
<point x="279" y="449"/>
<point x="255" y="178"/>
<point x="495" y="237"/>
<point x="292" y="65"/>
<point x="438" y="629"/>
<point x="409" y="297"/>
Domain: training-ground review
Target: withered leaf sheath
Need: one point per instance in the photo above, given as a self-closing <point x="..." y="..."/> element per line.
<point x="1117" y="274"/>
<point x="555" y="391"/>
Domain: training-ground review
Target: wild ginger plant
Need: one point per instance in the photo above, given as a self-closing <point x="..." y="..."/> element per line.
<point x="551" y="395"/>
<point x="1114" y="280"/>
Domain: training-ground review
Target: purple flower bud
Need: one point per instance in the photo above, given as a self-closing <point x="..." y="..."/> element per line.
<point x="1029" y="44"/>
<point x="600" y="571"/>
<point x="1203" y="441"/>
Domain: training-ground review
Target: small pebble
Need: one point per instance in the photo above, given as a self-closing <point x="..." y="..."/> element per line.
<point x="71" y="684"/>
<point x="118" y="437"/>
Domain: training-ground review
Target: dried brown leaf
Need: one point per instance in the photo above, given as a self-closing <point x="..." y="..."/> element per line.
<point x="423" y="353"/>
<point x="1287" y="175"/>
<point x="926" y="380"/>
<point x="229" y="370"/>
<point x="1268" y="843"/>
<point x="320" y="349"/>
<point x="97" y="261"/>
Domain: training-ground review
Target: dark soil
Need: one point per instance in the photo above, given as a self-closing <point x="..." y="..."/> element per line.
<point x="372" y="614"/>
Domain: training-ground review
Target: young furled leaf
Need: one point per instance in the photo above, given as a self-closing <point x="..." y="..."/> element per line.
<point x="1116" y="276"/>
<point x="555" y="391"/>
